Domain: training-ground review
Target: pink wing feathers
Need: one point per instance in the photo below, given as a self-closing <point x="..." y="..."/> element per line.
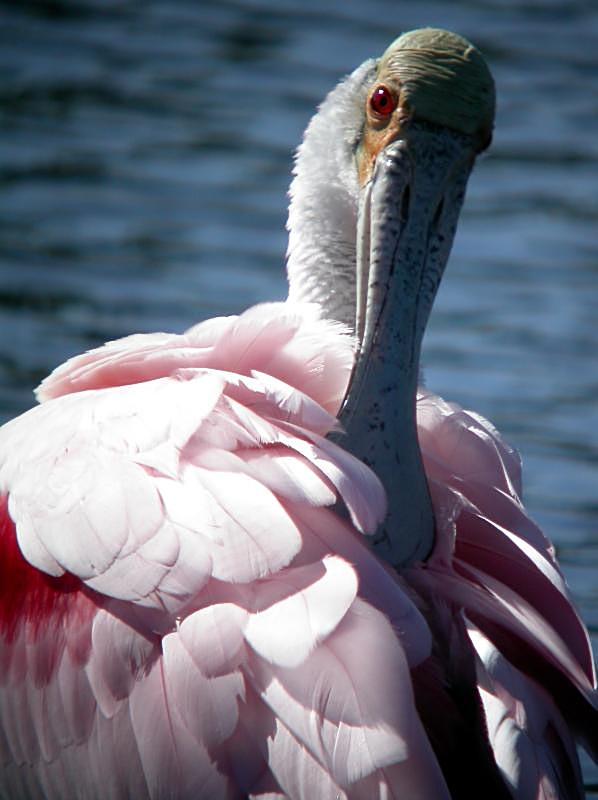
<point x="175" y="624"/>
<point x="183" y="613"/>
<point x="534" y="662"/>
<point x="534" y="746"/>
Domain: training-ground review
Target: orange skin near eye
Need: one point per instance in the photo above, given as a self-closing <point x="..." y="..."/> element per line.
<point x="380" y="128"/>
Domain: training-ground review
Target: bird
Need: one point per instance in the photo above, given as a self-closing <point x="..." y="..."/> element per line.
<point x="256" y="560"/>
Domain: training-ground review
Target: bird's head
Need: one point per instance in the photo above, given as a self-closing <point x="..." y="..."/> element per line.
<point x="429" y="76"/>
<point x="428" y="99"/>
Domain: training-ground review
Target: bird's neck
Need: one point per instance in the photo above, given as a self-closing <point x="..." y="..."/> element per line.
<point x="322" y="222"/>
<point x="322" y="264"/>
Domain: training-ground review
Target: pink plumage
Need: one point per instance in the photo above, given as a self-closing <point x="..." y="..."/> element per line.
<point x="189" y="605"/>
<point x="172" y="589"/>
<point x="208" y="625"/>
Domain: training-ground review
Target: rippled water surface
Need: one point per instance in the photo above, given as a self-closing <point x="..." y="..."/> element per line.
<point x="144" y="157"/>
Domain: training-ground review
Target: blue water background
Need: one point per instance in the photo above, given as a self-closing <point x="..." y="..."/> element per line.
<point x="145" y="153"/>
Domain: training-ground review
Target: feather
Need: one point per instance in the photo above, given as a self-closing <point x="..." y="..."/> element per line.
<point x="350" y="702"/>
<point x="535" y="749"/>
<point x="168" y="756"/>
<point x="298" y="609"/>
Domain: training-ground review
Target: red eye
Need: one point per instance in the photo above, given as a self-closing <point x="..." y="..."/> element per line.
<point x="382" y="101"/>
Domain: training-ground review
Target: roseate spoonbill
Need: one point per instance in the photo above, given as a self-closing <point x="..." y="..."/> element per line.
<point x="188" y="607"/>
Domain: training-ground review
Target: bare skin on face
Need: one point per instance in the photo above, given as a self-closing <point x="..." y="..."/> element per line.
<point x="436" y="77"/>
<point x="386" y="114"/>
